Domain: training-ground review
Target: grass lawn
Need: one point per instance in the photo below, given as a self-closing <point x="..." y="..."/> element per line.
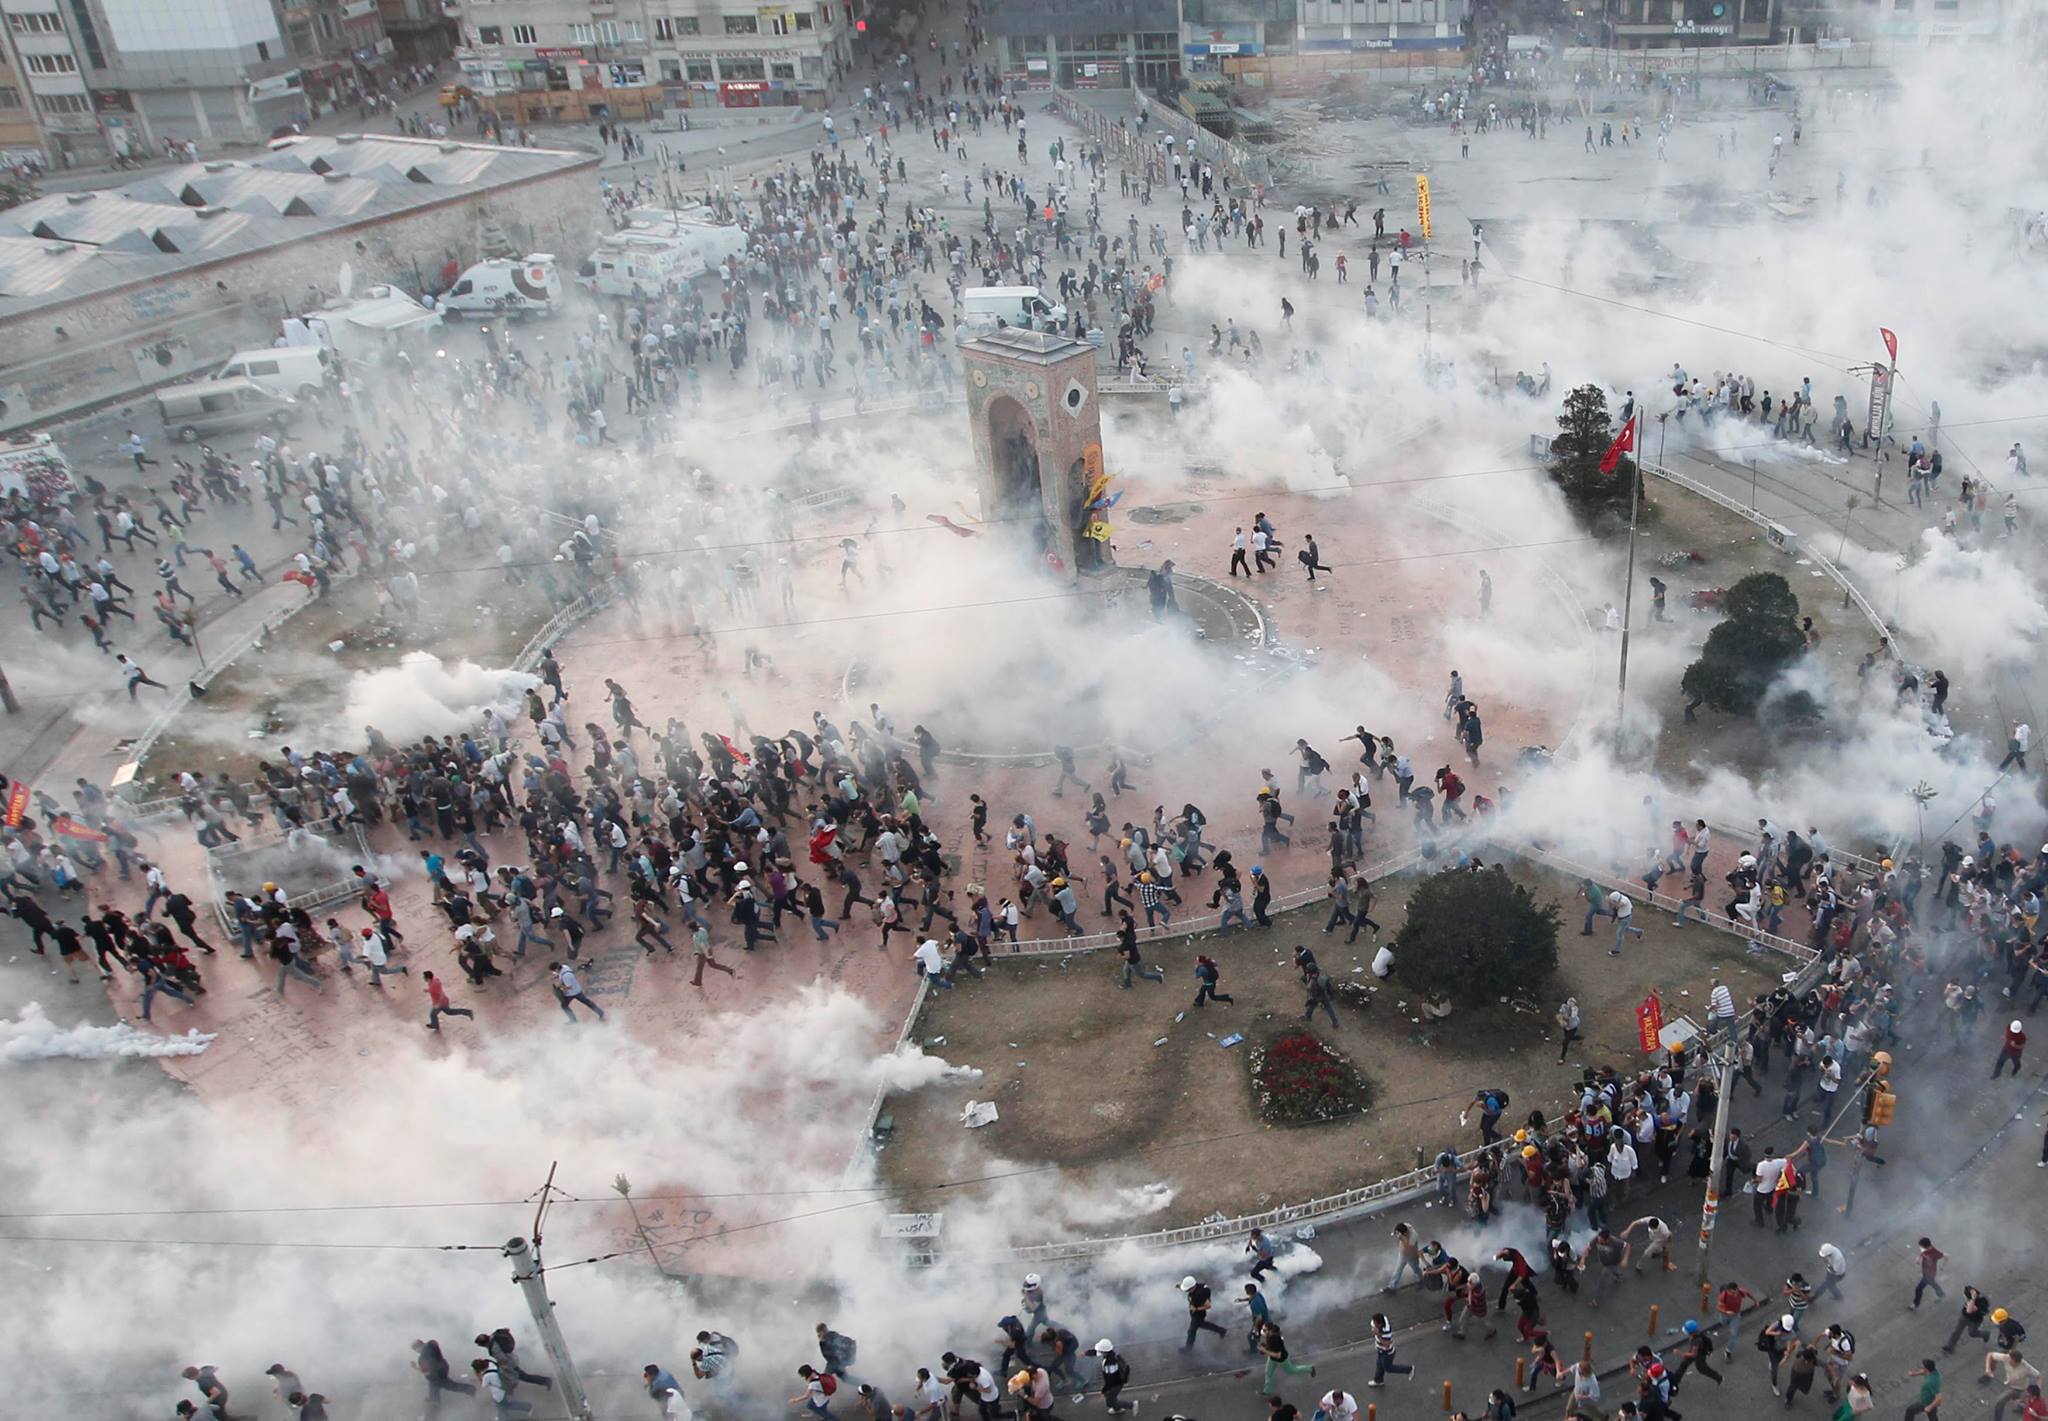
<point x="1071" y="1062"/>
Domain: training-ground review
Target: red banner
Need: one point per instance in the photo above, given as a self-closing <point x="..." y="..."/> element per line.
<point x="17" y="804"/>
<point x="71" y="828"/>
<point x="1891" y="343"/>
<point x="1650" y="1021"/>
<point x="1624" y="443"/>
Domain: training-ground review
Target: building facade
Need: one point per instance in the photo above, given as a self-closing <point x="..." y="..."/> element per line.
<point x="1929" y="22"/>
<point x="1087" y="44"/>
<point x="422" y="31"/>
<point x="49" y="77"/>
<point x="1365" y="26"/>
<point x="1705" y="24"/>
<point x="543" y="59"/>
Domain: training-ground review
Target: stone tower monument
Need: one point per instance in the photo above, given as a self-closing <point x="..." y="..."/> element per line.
<point x="1037" y="442"/>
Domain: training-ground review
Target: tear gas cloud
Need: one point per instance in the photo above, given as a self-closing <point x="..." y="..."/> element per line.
<point x="406" y="1126"/>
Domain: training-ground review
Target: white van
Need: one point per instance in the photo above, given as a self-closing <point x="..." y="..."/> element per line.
<point x="207" y="407"/>
<point x="298" y="371"/>
<point x="982" y="306"/>
<point x="642" y="261"/>
<point x="502" y="286"/>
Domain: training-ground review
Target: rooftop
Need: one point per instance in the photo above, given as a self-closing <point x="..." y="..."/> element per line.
<point x="1034" y="347"/>
<point x="66" y="246"/>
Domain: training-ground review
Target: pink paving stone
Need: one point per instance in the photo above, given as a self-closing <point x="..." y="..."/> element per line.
<point x="1408" y="603"/>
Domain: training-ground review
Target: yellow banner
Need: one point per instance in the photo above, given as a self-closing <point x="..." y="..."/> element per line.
<point x="1422" y="204"/>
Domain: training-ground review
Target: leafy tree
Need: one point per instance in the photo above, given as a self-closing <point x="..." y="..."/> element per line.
<point x="13" y="193"/>
<point x="1584" y="432"/>
<point x="1746" y="651"/>
<point x="1477" y="935"/>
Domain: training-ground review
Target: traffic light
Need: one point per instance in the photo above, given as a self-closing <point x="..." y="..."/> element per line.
<point x="1882" y="1104"/>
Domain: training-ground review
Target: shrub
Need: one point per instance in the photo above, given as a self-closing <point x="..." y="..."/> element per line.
<point x="1476" y="935"/>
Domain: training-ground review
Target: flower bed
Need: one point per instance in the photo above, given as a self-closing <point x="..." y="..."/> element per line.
<point x="1299" y="1079"/>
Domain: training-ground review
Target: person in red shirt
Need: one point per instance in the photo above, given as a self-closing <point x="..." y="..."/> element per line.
<point x="440" y="1006"/>
<point x="2015" y="1045"/>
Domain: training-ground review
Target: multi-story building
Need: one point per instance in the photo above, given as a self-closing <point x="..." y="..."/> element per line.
<point x="1703" y="24"/>
<point x="537" y="59"/>
<point x="1932" y="22"/>
<point x="20" y="138"/>
<point x="1087" y="44"/>
<point x="422" y="31"/>
<point x="1364" y="26"/>
<point x="48" y="77"/>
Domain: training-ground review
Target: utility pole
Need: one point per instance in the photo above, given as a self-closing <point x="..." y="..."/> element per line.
<point x="526" y="1272"/>
<point x="1722" y="1060"/>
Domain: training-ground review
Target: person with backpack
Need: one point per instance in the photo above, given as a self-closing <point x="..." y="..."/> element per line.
<point x="1116" y="1375"/>
<point x="1491" y="1103"/>
<point x="1209" y="974"/>
<point x="819" y="1389"/>
<point x="504" y="1350"/>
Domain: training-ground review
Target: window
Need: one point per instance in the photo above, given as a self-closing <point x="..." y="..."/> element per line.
<point x="607" y="31"/>
<point x="583" y="32"/>
<point x="37" y="24"/>
<point x="742" y="25"/>
<point x="688" y="25"/>
<point x="782" y="69"/>
<point x="490" y="34"/>
<point x="88" y="35"/>
<point x="326" y="23"/>
<point x="632" y="31"/>
<point x="698" y="71"/>
<point x="50" y="63"/>
<point x="671" y="71"/>
<point x="262" y="49"/>
<point x="10" y="98"/>
<point x="804" y="23"/>
<point x="730" y="67"/>
<point x="63" y="103"/>
<point x="664" y="27"/>
<point x="525" y="34"/>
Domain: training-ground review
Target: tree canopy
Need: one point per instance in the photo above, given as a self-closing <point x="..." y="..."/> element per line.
<point x="1744" y="653"/>
<point x="1584" y="433"/>
<point x="1477" y="935"/>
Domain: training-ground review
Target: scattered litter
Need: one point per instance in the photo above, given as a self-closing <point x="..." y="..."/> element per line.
<point x="935" y="1041"/>
<point x="1231" y="1040"/>
<point x="978" y="1113"/>
<point x="1023" y="1063"/>
<point x="1180" y="1016"/>
<point x="1306" y="1232"/>
<point x="336" y="645"/>
<point x="1161" y="1041"/>
<point x="1013" y="1045"/>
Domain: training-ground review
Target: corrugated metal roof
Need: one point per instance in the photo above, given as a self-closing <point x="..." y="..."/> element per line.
<point x="68" y="245"/>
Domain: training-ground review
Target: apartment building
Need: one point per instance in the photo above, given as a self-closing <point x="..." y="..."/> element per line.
<point x="539" y="59"/>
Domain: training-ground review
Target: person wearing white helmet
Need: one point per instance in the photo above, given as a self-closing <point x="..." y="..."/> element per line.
<point x="1116" y="1375"/>
<point x="1031" y="1300"/>
<point x="2011" y="1049"/>
<point x="1198" y="1311"/>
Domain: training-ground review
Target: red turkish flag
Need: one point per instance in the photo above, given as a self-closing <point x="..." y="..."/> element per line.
<point x="1624" y="443"/>
<point x="1891" y="343"/>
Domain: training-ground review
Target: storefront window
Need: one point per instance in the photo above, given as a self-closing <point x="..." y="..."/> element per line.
<point x="698" y="71"/>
